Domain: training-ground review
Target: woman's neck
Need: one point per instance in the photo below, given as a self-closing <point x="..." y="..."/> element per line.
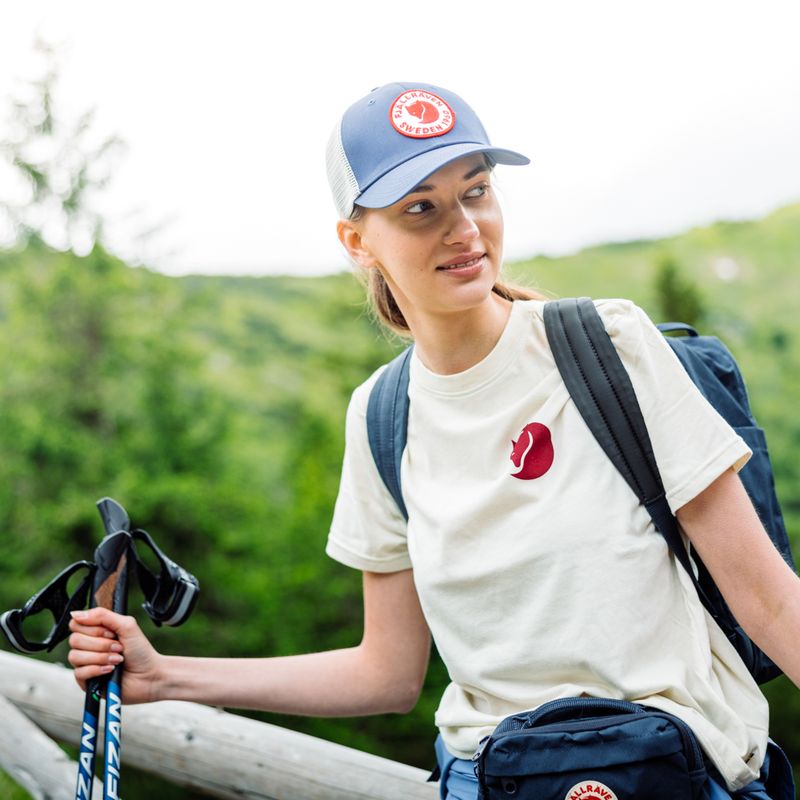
<point x="452" y="343"/>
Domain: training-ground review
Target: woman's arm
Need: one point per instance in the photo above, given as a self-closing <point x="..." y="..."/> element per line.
<point x="384" y="673"/>
<point x="762" y="591"/>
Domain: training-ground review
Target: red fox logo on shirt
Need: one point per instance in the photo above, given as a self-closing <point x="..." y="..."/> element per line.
<point x="532" y="453"/>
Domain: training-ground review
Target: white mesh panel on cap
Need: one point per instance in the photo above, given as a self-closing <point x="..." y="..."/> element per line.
<point x="341" y="179"/>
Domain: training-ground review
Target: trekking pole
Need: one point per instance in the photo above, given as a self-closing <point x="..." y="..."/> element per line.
<point x="109" y="590"/>
<point x="170" y="595"/>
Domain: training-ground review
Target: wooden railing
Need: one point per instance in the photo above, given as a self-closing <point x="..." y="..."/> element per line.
<point x="213" y="752"/>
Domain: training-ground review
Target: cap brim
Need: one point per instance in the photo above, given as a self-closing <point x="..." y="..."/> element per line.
<point x="397" y="183"/>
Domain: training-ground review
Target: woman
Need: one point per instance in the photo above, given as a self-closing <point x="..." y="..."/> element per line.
<point x="536" y="570"/>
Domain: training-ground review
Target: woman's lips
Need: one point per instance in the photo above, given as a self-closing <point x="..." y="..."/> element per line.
<point x="463" y="262"/>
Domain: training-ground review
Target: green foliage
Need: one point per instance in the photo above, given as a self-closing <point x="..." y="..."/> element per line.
<point x="9" y="790"/>
<point x="678" y="299"/>
<point x="213" y="409"/>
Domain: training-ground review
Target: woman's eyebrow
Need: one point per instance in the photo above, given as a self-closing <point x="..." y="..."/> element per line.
<point x="426" y="187"/>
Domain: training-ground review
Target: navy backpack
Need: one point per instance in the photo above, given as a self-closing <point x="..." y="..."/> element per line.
<point x="602" y="391"/>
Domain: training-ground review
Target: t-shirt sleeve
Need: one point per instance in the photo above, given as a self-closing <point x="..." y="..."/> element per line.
<point x="368" y="532"/>
<point x="692" y="443"/>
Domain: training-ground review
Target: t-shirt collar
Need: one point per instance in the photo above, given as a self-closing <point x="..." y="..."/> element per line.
<point x="486" y="371"/>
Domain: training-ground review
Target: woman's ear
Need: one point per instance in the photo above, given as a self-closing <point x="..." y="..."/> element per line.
<point x="352" y="240"/>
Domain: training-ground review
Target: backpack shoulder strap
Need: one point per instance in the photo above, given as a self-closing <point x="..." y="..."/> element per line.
<point x="601" y="389"/>
<point x="387" y="423"/>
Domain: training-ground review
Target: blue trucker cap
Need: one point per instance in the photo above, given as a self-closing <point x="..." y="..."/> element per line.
<point x="391" y="140"/>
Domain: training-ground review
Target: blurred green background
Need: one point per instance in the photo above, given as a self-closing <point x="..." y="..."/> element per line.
<point x="213" y="409"/>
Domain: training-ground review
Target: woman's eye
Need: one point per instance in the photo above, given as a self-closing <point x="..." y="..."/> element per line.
<point x="479" y="190"/>
<point x="419" y="207"/>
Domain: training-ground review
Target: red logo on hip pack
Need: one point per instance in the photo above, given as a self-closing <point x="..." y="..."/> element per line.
<point x="420" y="114"/>
<point x="590" y="790"/>
<point x="532" y="453"/>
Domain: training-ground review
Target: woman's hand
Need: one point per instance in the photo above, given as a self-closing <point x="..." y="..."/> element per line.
<point x="101" y="639"/>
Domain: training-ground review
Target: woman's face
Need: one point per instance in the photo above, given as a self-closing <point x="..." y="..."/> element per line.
<point x="439" y="247"/>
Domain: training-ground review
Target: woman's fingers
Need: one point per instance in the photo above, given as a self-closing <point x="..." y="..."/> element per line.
<point x="78" y="657"/>
<point x="84" y="674"/>
<point x="102" y="618"/>
<point x="103" y="633"/>
<point x="94" y="648"/>
<point x="95" y="642"/>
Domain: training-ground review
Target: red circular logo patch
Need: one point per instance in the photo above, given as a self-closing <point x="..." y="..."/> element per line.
<point x="532" y="453"/>
<point x="420" y="114"/>
<point x="590" y="790"/>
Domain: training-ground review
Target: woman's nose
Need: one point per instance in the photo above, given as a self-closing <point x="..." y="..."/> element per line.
<point x="463" y="227"/>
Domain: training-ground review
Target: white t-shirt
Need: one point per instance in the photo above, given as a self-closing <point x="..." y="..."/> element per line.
<point x="539" y="573"/>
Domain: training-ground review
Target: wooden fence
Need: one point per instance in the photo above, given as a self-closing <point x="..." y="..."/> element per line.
<point x="213" y="752"/>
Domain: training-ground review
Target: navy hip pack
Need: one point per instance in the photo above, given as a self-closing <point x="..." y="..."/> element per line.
<point x="590" y="749"/>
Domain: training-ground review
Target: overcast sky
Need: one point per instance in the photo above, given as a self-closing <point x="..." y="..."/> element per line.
<point x="641" y="119"/>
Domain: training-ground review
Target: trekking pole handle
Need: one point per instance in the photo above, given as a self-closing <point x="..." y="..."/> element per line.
<point x="111" y="591"/>
<point x="111" y="579"/>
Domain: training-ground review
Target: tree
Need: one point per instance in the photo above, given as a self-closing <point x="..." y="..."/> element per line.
<point x="678" y="298"/>
<point x="56" y="166"/>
